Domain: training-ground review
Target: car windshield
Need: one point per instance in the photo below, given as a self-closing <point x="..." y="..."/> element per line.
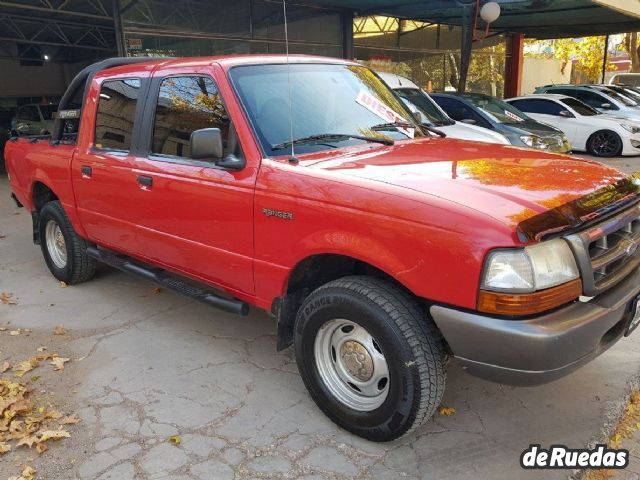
<point x="340" y="100"/>
<point x="428" y="107"/>
<point x="498" y="110"/>
<point x="621" y="98"/>
<point x="580" y="107"/>
<point x="48" y="111"/>
<point x="627" y="92"/>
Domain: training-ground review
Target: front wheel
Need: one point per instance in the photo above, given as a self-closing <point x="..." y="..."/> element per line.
<point x="604" y="143"/>
<point x="371" y="359"/>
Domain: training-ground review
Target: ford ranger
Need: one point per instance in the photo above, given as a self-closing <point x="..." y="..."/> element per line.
<point x="304" y="187"/>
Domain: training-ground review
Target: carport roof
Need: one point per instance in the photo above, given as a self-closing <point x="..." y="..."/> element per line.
<point x="535" y="18"/>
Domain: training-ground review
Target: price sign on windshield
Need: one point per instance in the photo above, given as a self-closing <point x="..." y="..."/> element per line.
<point x="375" y="106"/>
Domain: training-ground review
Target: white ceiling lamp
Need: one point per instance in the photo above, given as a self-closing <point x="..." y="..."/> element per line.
<point x="490" y="12"/>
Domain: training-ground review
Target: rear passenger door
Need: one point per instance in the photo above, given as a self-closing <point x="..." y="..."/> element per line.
<point x="101" y="169"/>
<point x="194" y="217"/>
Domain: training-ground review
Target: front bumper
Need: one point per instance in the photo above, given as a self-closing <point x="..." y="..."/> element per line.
<point x="631" y="145"/>
<point x="540" y="349"/>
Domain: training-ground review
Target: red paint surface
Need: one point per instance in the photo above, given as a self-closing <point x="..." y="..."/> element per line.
<point x="425" y="212"/>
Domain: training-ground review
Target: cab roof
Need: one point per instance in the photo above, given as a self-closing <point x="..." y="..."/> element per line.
<point x="226" y="61"/>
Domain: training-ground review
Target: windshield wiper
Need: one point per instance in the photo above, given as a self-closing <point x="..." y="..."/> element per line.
<point x="435" y="131"/>
<point x="423" y="126"/>
<point x="328" y="137"/>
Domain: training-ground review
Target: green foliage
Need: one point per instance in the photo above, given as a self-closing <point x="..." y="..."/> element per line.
<point x="587" y="52"/>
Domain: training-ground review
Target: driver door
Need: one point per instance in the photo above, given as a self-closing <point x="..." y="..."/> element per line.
<point x="193" y="216"/>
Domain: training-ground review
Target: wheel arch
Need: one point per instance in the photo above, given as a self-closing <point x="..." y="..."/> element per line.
<point x="312" y="272"/>
<point x="41" y="194"/>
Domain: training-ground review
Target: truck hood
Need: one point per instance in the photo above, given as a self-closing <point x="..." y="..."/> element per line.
<point x="509" y="184"/>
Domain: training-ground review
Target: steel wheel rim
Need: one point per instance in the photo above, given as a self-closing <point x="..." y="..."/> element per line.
<point x="605" y="143"/>
<point x="56" y="244"/>
<point x="351" y="365"/>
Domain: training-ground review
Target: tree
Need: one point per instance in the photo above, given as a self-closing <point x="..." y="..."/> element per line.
<point x="586" y="52"/>
<point x="631" y="44"/>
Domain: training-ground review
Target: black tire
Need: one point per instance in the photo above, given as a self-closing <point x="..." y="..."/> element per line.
<point x="409" y="340"/>
<point x="79" y="267"/>
<point x="604" y="144"/>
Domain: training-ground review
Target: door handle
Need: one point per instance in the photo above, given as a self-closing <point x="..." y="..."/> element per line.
<point x="86" y="171"/>
<point x="145" y="181"/>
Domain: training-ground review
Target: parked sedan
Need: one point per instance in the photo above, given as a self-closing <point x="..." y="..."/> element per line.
<point x="600" y="98"/>
<point x="600" y="134"/>
<point x="497" y="115"/>
<point x="431" y="114"/>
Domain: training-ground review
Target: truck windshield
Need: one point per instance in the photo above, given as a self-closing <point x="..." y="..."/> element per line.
<point x="331" y="106"/>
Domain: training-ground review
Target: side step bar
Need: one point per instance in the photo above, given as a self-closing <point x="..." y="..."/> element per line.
<point x="164" y="279"/>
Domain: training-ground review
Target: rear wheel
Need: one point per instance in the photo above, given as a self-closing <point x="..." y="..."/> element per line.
<point x="604" y="143"/>
<point x="370" y="357"/>
<point x="64" y="251"/>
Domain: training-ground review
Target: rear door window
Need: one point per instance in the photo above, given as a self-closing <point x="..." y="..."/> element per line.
<point x="545" y="107"/>
<point x="116" y="113"/>
<point x="594" y="99"/>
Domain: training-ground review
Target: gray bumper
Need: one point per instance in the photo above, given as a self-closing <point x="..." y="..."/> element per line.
<point x="540" y="349"/>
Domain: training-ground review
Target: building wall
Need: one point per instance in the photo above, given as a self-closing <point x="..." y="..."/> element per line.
<point x="537" y="72"/>
<point x="23" y="81"/>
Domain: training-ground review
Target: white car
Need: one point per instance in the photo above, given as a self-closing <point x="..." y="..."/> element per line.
<point x="598" y="97"/>
<point x="600" y="134"/>
<point x="431" y="114"/>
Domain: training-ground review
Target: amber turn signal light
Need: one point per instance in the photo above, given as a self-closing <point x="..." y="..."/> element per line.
<point x="499" y="303"/>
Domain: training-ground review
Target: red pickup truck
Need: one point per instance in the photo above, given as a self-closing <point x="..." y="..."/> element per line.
<point x="305" y="188"/>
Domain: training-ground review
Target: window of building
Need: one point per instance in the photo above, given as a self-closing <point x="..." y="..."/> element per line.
<point x="186" y="104"/>
<point x="116" y="113"/>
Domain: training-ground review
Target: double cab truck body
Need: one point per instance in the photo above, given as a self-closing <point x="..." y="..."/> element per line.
<point x="304" y="187"/>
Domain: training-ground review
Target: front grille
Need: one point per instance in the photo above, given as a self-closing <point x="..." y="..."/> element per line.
<point x="609" y="251"/>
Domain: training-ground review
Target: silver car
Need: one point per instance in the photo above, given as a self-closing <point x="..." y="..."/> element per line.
<point x="34" y="119"/>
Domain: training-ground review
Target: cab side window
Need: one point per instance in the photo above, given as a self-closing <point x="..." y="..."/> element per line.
<point x="116" y="113"/>
<point x="186" y="104"/>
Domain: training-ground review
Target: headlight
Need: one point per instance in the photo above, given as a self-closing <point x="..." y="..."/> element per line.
<point x="537" y="267"/>
<point x="630" y="128"/>
<point x="533" y="141"/>
<point x="529" y="280"/>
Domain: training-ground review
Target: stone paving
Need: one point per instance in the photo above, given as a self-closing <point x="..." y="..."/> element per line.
<point x="159" y="365"/>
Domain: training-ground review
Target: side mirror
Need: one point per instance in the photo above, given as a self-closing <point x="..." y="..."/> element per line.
<point x="470" y="121"/>
<point x="606" y="106"/>
<point x="566" y="114"/>
<point x="231" y="162"/>
<point x="206" y="144"/>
